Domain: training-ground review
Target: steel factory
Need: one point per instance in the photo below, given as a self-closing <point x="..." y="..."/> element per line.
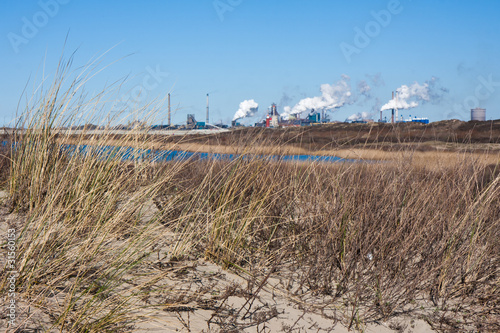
<point x="273" y="119"/>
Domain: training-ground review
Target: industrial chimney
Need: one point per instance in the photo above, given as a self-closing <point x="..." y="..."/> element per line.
<point x="206" y="123"/>
<point x="169" y="124"/>
<point x="397" y="106"/>
<point x="392" y="118"/>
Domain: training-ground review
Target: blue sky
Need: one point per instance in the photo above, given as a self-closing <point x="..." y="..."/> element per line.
<point x="269" y="51"/>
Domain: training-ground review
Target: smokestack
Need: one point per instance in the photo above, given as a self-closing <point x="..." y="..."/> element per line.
<point x="392" y="117"/>
<point x="396" y="105"/>
<point x="169" y="110"/>
<point x="206" y="124"/>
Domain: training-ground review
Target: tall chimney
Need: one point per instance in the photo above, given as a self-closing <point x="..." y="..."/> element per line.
<point x="206" y="124"/>
<point x="397" y="115"/>
<point x="392" y="118"/>
<point x="169" y="124"/>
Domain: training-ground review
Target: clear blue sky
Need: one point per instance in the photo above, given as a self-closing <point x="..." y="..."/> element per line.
<point x="269" y="51"/>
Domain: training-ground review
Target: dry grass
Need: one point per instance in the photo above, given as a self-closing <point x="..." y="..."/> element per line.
<point x="356" y="243"/>
<point x="360" y="242"/>
<point x="429" y="160"/>
<point x="77" y="219"/>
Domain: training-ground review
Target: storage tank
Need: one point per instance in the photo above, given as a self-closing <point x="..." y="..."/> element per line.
<point x="478" y="114"/>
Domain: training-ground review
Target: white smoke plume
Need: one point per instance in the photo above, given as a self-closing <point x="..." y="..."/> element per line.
<point x="332" y="96"/>
<point x="359" y="116"/>
<point x="286" y="112"/>
<point x="247" y="108"/>
<point x="411" y="96"/>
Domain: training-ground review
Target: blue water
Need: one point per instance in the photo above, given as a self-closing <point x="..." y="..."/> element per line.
<point x="131" y="154"/>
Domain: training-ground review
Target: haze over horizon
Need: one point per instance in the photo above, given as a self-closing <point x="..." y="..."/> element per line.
<point x="344" y="57"/>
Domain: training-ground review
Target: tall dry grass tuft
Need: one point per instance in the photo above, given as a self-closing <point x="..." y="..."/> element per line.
<point x="80" y="226"/>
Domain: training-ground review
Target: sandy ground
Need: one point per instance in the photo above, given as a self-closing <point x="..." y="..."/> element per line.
<point x="223" y="301"/>
<point x="283" y="314"/>
<point x="254" y="306"/>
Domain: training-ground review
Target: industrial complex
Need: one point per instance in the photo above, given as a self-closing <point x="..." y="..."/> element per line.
<point x="273" y="119"/>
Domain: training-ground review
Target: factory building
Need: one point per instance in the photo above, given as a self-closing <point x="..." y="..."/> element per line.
<point x="275" y="116"/>
<point x="274" y="120"/>
<point x="191" y="121"/>
<point x="417" y="120"/>
<point x="314" y="117"/>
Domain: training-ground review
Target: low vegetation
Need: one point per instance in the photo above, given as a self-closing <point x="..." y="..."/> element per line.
<point x="362" y="242"/>
<point x="98" y="237"/>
